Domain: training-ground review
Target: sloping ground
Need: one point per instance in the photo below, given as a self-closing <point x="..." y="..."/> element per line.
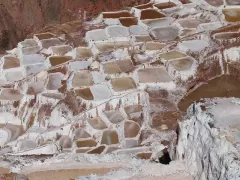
<point x="109" y="95"/>
<point x="20" y="18"/>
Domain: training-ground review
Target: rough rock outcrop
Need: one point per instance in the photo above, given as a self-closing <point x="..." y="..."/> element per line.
<point x="209" y="139"/>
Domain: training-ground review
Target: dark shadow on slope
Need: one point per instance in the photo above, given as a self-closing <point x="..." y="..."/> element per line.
<point x="165" y="158"/>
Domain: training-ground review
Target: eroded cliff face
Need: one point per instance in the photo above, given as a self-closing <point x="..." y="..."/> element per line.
<point x="19" y="18"/>
<point x="209" y="139"/>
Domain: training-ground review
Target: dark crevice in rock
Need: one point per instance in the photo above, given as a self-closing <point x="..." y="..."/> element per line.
<point x="165" y="159"/>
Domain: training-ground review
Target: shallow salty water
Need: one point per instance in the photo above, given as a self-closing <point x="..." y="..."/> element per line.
<point x="222" y="86"/>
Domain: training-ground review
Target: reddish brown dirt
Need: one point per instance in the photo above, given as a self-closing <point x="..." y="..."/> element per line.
<point x="223" y="86"/>
<point x="7" y="176"/>
<point x="19" y="18"/>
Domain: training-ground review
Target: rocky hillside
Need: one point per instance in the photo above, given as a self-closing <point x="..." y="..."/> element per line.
<point x="115" y="97"/>
<point x="21" y="17"/>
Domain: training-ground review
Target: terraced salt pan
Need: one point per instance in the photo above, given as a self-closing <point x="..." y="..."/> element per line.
<point x="100" y="92"/>
<point x="35" y="88"/>
<point x="142" y="38"/>
<point x="192" y="45"/>
<point x="137" y="30"/>
<point x="187" y="32"/>
<point x="111" y="68"/>
<point x="86" y="143"/>
<point x="134" y="113"/>
<point x="35" y="68"/>
<point x="172" y="55"/>
<point x="232" y="14"/>
<point x="96" y="35"/>
<point x="97" y="123"/>
<point x="15" y="74"/>
<point x="131" y="129"/>
<point x="151" y="14"/>
<point x="182" y="68"/>
<point x="46" y="43"/>
<point x="167" y="33"/>
<point x="113" y="116"/>
<point x="153" y="75"/>
<point x="117" y="31"/>
<point x="123" y="84"/>
<point x="82" y="52"/>
<point x="128" y="21"/>
<point x="111" y="21"/>
<point x="187" y="3"/>
<point x="78" y="65"/>
<point x="158" y="22"/>
<point x="118" y="66"/>
<point x="57" y="60"/>
<point x="226" y="35"/>
<point x="182" y="64"/>
<point x="60" y="50"/>
<point x="32" y="59"/>
<point x="189" y="23"/>
<point x="167" y="7"/>
<point x="84" y="93"/>
<point x="99" y="97"/>
<point x="164" y="5"/>
<point x="154" y="45"/>
<point x="178" y="64"/>
<point x="82" y="78"/>
<point x="41" y="36"/>
<point x="109" y="137"/>
<point x="54" y="81"/>
<point x="209" y="26"/>
<point x="101" y="47"/>
<point x="80" y="133"/>
<point x="116" y="14"/>
<point x="9" y="62"/>
<point x="29" y="46"/>
<point x="129" y="98"/>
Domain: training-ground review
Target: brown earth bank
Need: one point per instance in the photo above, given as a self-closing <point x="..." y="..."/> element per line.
<point x="19" y="18"/>
<point x="222" y="86"/>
